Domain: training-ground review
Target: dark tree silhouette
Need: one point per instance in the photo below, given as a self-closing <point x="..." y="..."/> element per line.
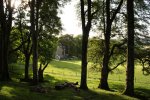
<point x="129" y="90"/>
<point x="6" y="25"/>
<point x="85" y="34"/>
<point x="34" y="41"/>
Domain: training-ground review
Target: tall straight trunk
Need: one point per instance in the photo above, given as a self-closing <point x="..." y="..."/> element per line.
<point x="0" y="53"/>
<point x="85" y="30"/>
<point x="2" y="22"/>
<point x="83" y="84"/>
<point x="27" y="59"/>
<point x="6" y="24"/>
<point x="34" y="43"/>
<point x="6" y="43"/>
<point x="129" y="90"/>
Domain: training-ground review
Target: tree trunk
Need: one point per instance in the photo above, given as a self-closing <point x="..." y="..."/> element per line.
<point x="34" y="43"/>
<point x="0" y="53"/>
<point x="85" y="30"/>
<point x="27" y="59"/>
<point x="83" y="84"/>
<point x="40" y="73"/>
<point x="5" y="73"/>
<point x="129" y="90"/>
<point x="105" y="68"/>
<point x="6" y="25"/>
<point x="104" y="74"/>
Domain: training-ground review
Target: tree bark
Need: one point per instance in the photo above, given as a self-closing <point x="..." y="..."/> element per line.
<point x="34" y="43"/>
<point x="85" y="30"/>
<point x="0" y="54"/>
<point x="27" y="59"/>
<point x="129" y="90"/>
<point x="105" y="68"/>
<point x="41" y="71"/>
<point x="6" y="24"/>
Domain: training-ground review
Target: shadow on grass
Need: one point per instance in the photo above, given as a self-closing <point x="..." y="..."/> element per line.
<point x="66" y="65"/>
<point x="142" y="93"/>
<point x="20" y="91"/>
<point x="117" y="86"/>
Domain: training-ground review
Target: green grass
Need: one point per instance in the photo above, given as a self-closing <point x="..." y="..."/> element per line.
<point x="20" y="91"/>
<point x="61" y="71"/>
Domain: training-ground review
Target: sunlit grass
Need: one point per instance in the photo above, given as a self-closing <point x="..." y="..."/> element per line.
<point x="61" y="71"/>
<point x="72" y="69"/>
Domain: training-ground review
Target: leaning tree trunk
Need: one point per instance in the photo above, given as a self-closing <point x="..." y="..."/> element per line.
<point x="41" y="71"/>
<point x="129" y="90"/>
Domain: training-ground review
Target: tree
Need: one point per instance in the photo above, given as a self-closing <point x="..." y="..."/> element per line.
<point x="85" y="34"/>
<point x="6" y="11"/>
<point x="23" y="28"/>
<point x="129" y="90"/>
<point x="48" y="28"/>
<point x="96" y="52"/>
<point x="47" y="48"/>
<point x="109" y="20"/>
<point x="142" y="55"/>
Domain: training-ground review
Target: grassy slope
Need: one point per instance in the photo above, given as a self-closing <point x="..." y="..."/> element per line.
<point x="60" y="71"/>
<point x="20" y="91"/>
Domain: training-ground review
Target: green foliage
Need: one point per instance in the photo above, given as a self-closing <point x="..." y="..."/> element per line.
<point x="72" y="45"/>
<point x="14" y="43"/>
<point x="47" y="48"/>
<point x="96" y="52"/>
<point x="52" y="23"/>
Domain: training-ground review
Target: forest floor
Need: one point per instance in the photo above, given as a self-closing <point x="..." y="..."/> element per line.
<point x="59" y="72"/>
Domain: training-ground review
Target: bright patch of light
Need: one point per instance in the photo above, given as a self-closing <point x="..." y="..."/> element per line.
<point x="15" y="3"/>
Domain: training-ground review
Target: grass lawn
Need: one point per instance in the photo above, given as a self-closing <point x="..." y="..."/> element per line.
<point x="61" y="71"/>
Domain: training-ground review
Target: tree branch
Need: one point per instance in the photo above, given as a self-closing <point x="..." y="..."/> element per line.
<point x="13" y="50"/>
<point x="117" y="65"/>
<point x="116" y="11"/>
<point x="118" y="46"/>
<point x="45" y="66"/>
<point x="92" y="15"/>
